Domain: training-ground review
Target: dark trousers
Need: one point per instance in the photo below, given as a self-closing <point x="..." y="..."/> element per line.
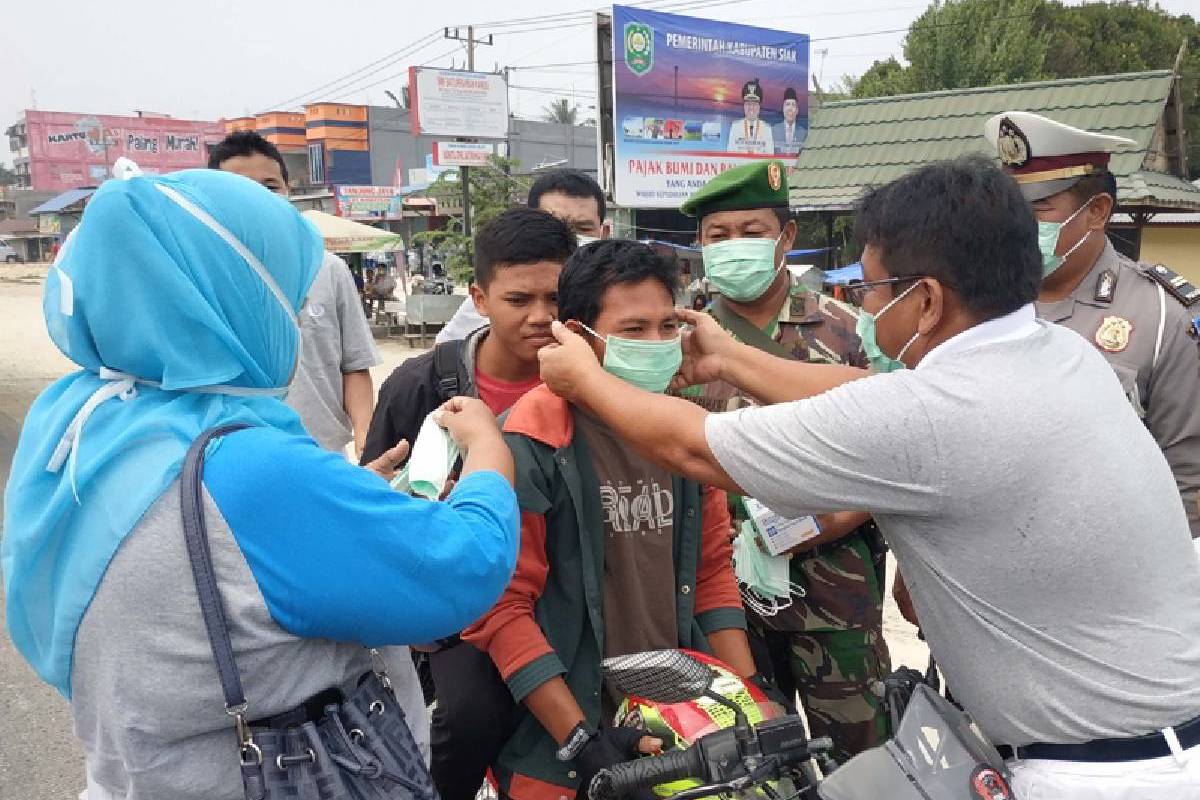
<point x="772" y="651"/>
<point x="472" y="721"/>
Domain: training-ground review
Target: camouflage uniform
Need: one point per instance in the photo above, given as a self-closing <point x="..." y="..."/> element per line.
<point x="834" y="635"/>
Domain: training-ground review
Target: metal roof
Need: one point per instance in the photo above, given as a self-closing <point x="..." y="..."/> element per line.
<point x="64" y="200"/>
<point x="855" y="144"/>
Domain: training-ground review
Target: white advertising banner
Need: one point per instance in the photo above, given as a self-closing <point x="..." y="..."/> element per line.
<point x="449" y="102"/>
<point x="462" y="154"/>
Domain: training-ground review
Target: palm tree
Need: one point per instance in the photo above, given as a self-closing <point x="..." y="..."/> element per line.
<point x="562" y="111"/>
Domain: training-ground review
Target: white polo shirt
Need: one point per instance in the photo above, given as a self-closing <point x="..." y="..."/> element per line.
<point x="1034" y="517"/>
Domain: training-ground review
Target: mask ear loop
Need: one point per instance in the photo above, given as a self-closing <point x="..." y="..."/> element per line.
<point x="1083" y="238"/>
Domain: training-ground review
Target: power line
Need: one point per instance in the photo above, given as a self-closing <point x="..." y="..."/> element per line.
<point x="348" y="87"/>
<point x="591" y="63"/>
<point x="403" y="50"/>
<point x="914" y="29"/>
<point x="403" y="72"/>
<point x="553" y="90"/>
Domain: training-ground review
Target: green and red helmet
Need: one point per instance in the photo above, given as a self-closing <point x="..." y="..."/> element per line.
<point x="679" y="725"/>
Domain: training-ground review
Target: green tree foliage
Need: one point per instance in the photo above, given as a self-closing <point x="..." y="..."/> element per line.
<point x="562" y="111"/>
<point x="7" y="176"/>
<point x="960" y="43"/>
<point x="883" y="79"/>
<point x="493" y="189"/>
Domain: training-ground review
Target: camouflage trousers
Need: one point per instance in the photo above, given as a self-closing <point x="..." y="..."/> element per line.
<point x="834" y="672"/>
<point x="829" y="646"/>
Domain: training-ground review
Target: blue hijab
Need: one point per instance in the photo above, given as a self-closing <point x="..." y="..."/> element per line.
<point x="178" y="296"/>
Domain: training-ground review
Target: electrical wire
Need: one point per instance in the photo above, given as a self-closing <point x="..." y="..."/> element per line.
<point x="349" y="87"/>
<point x="553" y="90"/>
<point x="400" y="52"/>
<point x="404" y="72"/>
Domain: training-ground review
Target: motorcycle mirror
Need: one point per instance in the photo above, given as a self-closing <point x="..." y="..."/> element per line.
<point x="661" y="676"/>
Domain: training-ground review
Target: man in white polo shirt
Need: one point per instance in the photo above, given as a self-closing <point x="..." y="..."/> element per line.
<point x="1048" y="547"/>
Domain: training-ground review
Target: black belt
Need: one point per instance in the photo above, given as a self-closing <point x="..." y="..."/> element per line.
<point x="1137" y="748"/>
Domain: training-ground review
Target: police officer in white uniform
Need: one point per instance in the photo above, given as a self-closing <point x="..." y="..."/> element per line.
<point x="1141" y="317"/>
<point x="751" y="134"/>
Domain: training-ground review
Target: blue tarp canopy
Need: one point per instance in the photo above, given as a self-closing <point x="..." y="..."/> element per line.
<point x="64" y="200"/>
<point x="843" y="275"/>
<point x="809" y="252"/>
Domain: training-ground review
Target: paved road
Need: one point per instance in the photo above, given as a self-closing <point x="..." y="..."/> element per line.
<point x="39" y="756"/>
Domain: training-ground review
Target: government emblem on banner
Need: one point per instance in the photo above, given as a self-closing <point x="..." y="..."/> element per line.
<point x="639" y="47"/>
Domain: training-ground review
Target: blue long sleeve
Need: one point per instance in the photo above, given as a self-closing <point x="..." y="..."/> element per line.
<point x="338" y="554"/>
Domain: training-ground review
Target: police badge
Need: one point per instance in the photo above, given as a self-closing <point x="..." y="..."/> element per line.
<point x="1012" y="144"/>
<point x="1113" y="334"/>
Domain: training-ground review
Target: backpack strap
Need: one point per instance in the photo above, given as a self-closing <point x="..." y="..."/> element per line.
<point x="445" y="368"/>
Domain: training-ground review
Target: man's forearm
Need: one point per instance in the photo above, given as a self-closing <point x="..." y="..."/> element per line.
<point x="666" y="430"/>
<point x="553" y="705"/>
<point x="770" y="379"/>
<point x="358" y="398"/>
<point x="835" y="526"/>
<point x="730" y="646"/>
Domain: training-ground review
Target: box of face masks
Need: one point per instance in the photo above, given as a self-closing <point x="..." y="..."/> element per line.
<point x="778" y="534"/>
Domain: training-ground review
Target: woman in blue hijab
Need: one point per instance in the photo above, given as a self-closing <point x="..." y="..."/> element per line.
<point x="178" y="298"/>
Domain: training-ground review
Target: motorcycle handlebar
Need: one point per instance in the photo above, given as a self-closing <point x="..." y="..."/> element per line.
<point x="645" y="773"/>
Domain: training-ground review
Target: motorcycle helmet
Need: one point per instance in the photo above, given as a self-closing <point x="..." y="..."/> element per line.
<point x="679" y="725"/>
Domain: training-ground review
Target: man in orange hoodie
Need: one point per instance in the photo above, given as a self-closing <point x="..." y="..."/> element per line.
<point x="617" y="556"/>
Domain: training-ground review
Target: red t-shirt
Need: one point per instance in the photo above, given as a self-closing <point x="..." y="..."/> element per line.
<point x="500" y="395"/>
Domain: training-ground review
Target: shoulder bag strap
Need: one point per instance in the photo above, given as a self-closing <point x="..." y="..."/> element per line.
<point x="196" y="534"/>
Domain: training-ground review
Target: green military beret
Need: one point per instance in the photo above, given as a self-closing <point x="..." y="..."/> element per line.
<point x="759" y="184"/>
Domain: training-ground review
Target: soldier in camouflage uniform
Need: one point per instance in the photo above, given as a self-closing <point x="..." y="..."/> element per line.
<point x="828" y="645"/>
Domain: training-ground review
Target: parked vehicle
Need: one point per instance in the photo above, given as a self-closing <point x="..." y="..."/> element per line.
<point x="8" y="253"/>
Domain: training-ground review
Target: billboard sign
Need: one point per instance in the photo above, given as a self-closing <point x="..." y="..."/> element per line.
<point x="447" y="102"/>
<point x="693" y="97"/>
<point x="67" y="151"/>
<point x="462" y="154"/>
<point x="364" y="202"/>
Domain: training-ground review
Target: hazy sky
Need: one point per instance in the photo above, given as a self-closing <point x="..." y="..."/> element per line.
<point x="227" y="58"/>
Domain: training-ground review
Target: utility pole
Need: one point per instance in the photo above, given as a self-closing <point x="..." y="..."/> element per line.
<point x="464" y="173"/>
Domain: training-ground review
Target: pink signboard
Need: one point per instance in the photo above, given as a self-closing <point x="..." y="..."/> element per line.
<point x="68" y="150"/>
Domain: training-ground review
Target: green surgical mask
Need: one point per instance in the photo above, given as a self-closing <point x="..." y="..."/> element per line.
<point x="765" y="580"/>
<point x="742" y="269"/>
<point x="879" y="360"/>
<point x="1048" y="233"/>
<point x="644" y="363"/>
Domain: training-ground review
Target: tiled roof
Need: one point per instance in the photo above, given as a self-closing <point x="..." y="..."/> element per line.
<point x="855" y="144"/>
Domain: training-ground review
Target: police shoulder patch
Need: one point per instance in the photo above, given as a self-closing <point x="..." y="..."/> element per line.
<point x="1176" y="285"/>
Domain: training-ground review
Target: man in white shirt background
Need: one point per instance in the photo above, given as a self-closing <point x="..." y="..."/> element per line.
<point x="332" y="390"/>
<point x="751" y="134"/>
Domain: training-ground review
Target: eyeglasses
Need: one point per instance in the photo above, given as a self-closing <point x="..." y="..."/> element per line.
<point x="857" y="291"/>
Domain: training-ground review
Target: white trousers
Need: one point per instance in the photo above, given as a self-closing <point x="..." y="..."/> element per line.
<point x="1167" y="778"/>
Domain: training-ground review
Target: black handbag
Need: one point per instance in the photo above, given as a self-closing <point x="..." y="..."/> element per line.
<point x="329" y="748"/>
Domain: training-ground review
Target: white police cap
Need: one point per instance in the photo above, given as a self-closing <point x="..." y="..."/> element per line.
<point x="1047" y="157"/>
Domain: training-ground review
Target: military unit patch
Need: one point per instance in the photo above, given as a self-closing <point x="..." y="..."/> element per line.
<point x="774" y="176"/>
<point x="1113" y="334"/>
